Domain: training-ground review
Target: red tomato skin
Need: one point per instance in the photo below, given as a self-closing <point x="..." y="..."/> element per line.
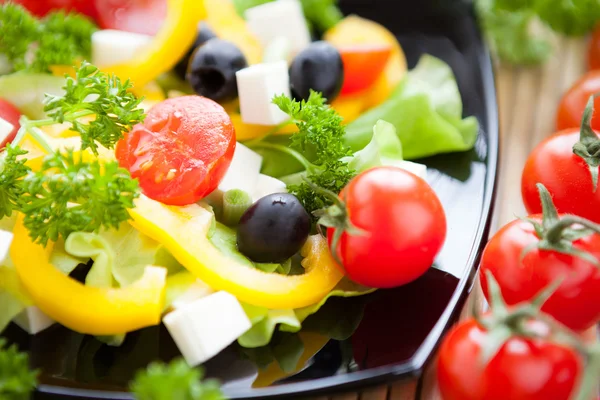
<point x="576" y="303"/>
<point x="404" y="224"/>
<point x="594" y="50"/>
<point x="564" y="174"/>
<point x="362" y="66"/>
<point x="139" y="16"/>
<point x="572" y="104"/>
<point x="523" y="369"/>
<point x="42" y="7"/>
<point x="10" y="114"/>
<point x="191" y="137"/>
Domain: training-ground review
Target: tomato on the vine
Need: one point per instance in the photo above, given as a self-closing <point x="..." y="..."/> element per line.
<point x="363" y="65"/>
<point x="396" y="228"/>
<point x="573" y="103"/>
<point x="139" y="16"/>
<point x="10" y="114"/>
<point x="522" y="369"/>
<point x="566" y="171"/>
<point x="594" y="50"/>
<point x="181" y="151"/>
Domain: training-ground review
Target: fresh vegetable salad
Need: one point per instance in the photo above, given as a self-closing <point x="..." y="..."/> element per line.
<point x="218" y="171"/>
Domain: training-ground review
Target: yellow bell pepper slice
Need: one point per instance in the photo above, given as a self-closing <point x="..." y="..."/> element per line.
<point x="183" y="231"/>
<point x="85" y="309"/>
<point x="244" y="131"/>
<point x="169" y="45"/>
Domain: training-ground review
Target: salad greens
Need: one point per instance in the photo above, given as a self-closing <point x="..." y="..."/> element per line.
<point x="384" y="148"/>
<point x="425" y="109"/>
<point x="508" y="25"/>
<point x="16" y="380"/>
<point x="12" y="172"/>
<point x="27" y="91"/>
<point x="174" y="381"/>
<point x="36" y="45"/>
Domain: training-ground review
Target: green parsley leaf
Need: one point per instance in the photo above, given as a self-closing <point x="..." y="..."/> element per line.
<point x="320" y="136"/>
<point x="572" y="17"/>
<point x="175" y="381"/>
<point x="18" y="30"/>
<point x="69" y="195"/>
<point x="12" y="171"/>
<point x="95" y="93"/>
<point x="35" y="45"/>
<point x="16" y="380"/>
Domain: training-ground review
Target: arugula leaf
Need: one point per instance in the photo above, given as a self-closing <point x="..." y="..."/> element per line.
<point x="16" y="380"/>
<point x="96" y="93"/>
<point x="36" y="45"/>
<point x="320" y="136"/>
<point x="12" y="171"/>
<point x="69" y="195"/>
<point x="174" y="381"/>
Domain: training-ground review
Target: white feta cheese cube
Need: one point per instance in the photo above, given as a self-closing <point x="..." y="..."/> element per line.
<point x="33" y="320"/>
<point x="205" y="327"/>
<point x="257" y="85"/>
<point x="6" y="239"/>
<point x="112" y="47"/>
<point x="267" y="185"/>
<point x="280" y="18"/>
<point x="5" y="129"/>
<point x="243" y="171"/>
<point x="419" y="170"/>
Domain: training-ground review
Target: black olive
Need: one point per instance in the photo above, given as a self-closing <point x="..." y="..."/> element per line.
<point x="318" y="67"/>
<point x="204" y="35"/>
<point x="273" y="229"/>
<point x="212" y="69"/>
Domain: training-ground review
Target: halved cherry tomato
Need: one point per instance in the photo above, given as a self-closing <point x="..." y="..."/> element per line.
<point x="403" y="228"/>
<point x="140" y="16"/>
<point x="181" y="151"/>
<point x="570" y="109"/>
<point x="594" y="50"/>
<point x="523" y="368"/>
<point x="43" y="7"/>
<point x="10" y="114"/>
<point x="363" y="65"/>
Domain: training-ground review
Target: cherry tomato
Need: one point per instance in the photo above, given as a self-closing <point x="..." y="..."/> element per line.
<point x="403" y="223"/>
<point x="139" y="16"/>
<point x="181" y="151"/>
<point x="594" y="50"/>
<point x="570" y="109"/>
<point x="10" y="114"/>
<point x="363" y="65"/>
<point x="564" y="174"/>
<point x="523" y="369"/>
<point x="43" y="7"/>
<point x="576" y="303"/>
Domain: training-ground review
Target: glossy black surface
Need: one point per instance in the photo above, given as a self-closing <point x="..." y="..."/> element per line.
<point x="401" y="328"/>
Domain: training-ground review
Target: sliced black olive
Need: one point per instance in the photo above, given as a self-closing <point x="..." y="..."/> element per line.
<point x="318" y="67"/>
<point x="273" y="229"/>
<point x="203" y="36"/>
<point x="212" y="69"/>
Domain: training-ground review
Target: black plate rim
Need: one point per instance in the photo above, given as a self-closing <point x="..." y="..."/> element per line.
<point x="415" y="366"/>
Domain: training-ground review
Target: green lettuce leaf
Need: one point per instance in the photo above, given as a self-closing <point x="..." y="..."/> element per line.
<point x="383" y="149"/>
<point x="13" y="296"/>
<point x="265" y="321"/>
<point x="425" y="109"/>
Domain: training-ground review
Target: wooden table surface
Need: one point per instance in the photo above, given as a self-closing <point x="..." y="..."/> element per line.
<point x="527" y="99"/>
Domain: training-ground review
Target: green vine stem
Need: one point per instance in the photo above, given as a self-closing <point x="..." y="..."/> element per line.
<point x="588" y="146"/>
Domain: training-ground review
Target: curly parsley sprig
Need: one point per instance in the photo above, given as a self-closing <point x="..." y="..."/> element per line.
<point x="12" y="171"/>
<point x="36" y="45"/>
<point x="174" y="381"/>
<point x="320" y="138"/>
<point x="16" y="380"/>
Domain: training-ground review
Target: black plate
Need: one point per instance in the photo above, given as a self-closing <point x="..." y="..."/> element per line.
<point x="401" y="328"/>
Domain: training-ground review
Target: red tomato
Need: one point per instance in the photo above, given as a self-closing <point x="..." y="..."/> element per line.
<point x="363" y="64"/>
<point x="140" y="16"/>
<point x="570" y="109"/>
<point x="566" y="176"/>
<point x="43" y="7"/>
<point x="594" y="50"/>
<point x="181" y="151"/>
<point x="10" y="114"/>
<point x="576" y="303"/>
<point x="404" y="228"/>
<point x="523" y="369"/>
